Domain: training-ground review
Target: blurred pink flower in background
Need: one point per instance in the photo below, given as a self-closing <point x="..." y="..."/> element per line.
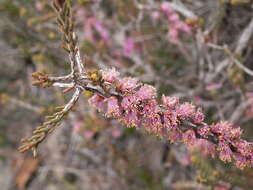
<point x="77" y="125"/>
<point x="92" y="25"/>
<point x="185" y="160"/>
<point x="249" y="110"/>
<point x="175" y="24"/>
<point x="155" y="15"/>
<point x="165" y="7"/>
<point x="101" y="29"/>
<point x="116" y="133"/>
<point x="39" y="6"/>
<point x="128" y="47"/>
<point x="221" y="187"/>
<point x="88" y="134"/>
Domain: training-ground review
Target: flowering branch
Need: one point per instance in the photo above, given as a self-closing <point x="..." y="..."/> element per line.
<point x="135" y="105"/>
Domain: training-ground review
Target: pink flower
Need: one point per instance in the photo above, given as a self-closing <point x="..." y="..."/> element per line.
<point x="235" y="133"/>
<point x="170" y="119"/>
<point x="127" y="84"/>
<point x="128" y="101"/>
<point x="205" y="147"/>
<point x="175" y="135"/>
<point x="198" y="117"/>
<point x="110" y="75"/>
<point x="244" y="148"/>
<point x="225" y="153"/>
<point x="189" y="137"/>
<point x="204" y="131"/>
<point x="97" y="101"/>
<point x="240" y="161"/>
<point x="222" y="127"/>
<point x="130" y="119"/>
<point x="146" y="108"/>
<point x="146" y="92"/>
<point x="185" y="110"/>
<point x="153" y="124"/>
<point x="170" y="102"/>
<point x="113" y="109"/>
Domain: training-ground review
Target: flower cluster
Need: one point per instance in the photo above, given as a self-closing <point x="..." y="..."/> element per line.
<point x="176" y="25"/>
<point x="136" y="105"/>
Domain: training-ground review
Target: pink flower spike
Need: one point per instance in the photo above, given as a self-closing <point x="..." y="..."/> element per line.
<point x="110" y="75"/>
